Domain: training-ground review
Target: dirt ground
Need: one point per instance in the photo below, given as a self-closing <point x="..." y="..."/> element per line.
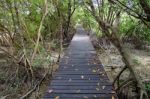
<point x="112" y="62"/>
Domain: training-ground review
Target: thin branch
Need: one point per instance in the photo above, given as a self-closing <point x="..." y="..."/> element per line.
<point x="39" y="31"/>
<point x="139" y="16"/>
<point x="117" y="78"/>
<point x="34" y="88"/>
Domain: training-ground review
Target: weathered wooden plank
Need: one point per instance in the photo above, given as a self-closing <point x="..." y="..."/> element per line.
<point x="77" y="78"/>
<point x="80" y="96"/>
<point x="80" y="76"/>
<point x="80" y="84"/>
<point x="82" y="65"/>
<point x="81" y="80"/>
<point x="83" y="87"/>
<point x="80" y="52"/>
<point x="79" y="69"/>
<point x="80" y="56"/>
<point x="80" y="73"/>
<point x="72" y="91"/>
<point x="86" y="71"/>
<point x="71" y="97"/>
<point x="79" y="62"/>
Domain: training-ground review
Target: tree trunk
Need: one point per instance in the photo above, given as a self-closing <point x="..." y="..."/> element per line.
<point x="112" y="31"/>
<point x="146" y="7"/>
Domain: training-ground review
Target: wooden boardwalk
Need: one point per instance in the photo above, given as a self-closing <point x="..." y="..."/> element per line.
<point x="80" y="75"/>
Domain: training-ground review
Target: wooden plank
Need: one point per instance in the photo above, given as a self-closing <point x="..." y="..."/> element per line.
<point x="80" y="84"/>
<point x="77" y="71"/>
<point x="74" y="69"/>
<point x="67" y="78"/>
<point x="100" y="65"/>
<point x="80" y="81"/>
<point x="80" y="96"/>
<point x="77" y="68"/>
<point x="72" y="91"/>
<point x="86" y="59"/>
<point x="80" y="52"/>
<point x="80" y="56"/>
<point x="84" y="97"/>
<point x="82" y="65"/>
<point x="80" y="73"/>
<point x="79" y="62"/>
<point x="80" y="76"/>
<point x="83" y="87"/>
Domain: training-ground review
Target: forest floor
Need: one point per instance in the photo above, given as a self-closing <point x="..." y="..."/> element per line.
<point x="111" y="59"/>
<point x="108" y="55"/>
<point x="8" y="70"/>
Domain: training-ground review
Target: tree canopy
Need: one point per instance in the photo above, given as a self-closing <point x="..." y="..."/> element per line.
<point x="28" y="27"/>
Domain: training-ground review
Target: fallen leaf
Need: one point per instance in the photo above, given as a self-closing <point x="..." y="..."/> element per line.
<point x="98" y="84"/>
<point x="103" y="87"/>
<point x="78" y="91"/>
<point x="59" y="77"/>
<point x="97" y="89"/>
<point x="76" y="69"/>
<point x="50" y="91"/>
<point x="82" y="77"/>
<point x="94" y="71"/>
<point x="57" y="97"/>
<point x="70" y="80"/>
<point x="94" y="96"/>
<point x="112" y="91"/>
<point x="85" y="97"/>
<point x="113" y="97"/>
<point x="94" y="62"/>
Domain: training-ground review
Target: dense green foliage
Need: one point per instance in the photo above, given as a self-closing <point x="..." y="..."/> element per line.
<point x="31" y="30"/>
